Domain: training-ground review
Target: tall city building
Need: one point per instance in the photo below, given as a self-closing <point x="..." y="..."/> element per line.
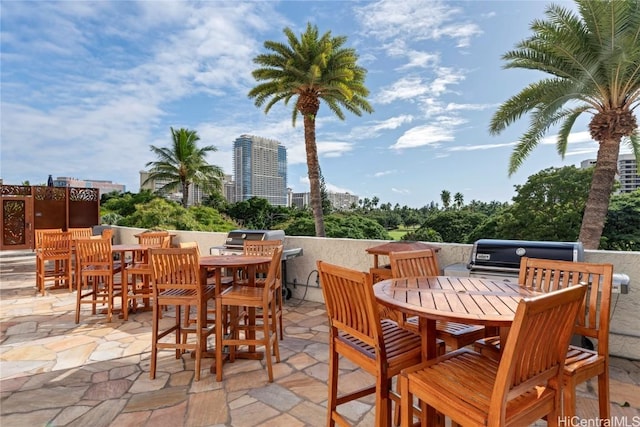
<point x="339" y="201"/>
<point x="260" y="169"/>
<point x="102" y="185"/>
<point x="628" y="174"/>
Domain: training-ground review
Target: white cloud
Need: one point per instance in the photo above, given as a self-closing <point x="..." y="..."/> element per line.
<point x="304" y="180"/>
<point x="405" y="88"/>
<point x="419" y="59"/>
<point x="423" y="135"/>
<point x="415" y="20"/>
<point x="400" y="190"/>
<point x="383" y="173"/>
<point x="333" y="149"/>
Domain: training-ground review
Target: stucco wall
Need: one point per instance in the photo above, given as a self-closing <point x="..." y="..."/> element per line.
<point x="625" y="321"/>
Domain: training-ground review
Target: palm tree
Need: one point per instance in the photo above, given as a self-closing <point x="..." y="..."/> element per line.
<point x="593" y="59"/>
<point x="458" y="199"/>
<point x="184" y="163"/>
<point x="445" y="196"/>
<point x="311" y="69"/>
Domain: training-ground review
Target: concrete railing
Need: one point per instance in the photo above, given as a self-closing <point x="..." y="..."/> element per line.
<point x="302" y="276"/>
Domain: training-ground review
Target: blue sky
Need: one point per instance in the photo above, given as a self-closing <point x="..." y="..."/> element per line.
<point x="88" y="86"/>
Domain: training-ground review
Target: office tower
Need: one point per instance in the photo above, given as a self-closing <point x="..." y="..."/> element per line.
<point x="103" y="185"/>
<point x="339" y="201"/>
<point x="628" y="173"/>
<point x="260" y="169"/>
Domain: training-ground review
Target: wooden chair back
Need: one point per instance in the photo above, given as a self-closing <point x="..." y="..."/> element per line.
<point x="550" y="275"/>
<point x="55" y="244"/>
<point x="94" y="255"/>
<point x="273" y="273"/>
<point x="81" y="232"/>
<point x="107" y="233"/>
<point x="261" y="248"/>
<point x="155" y="239"/>
<point x="421" y="262"/>
<point x="536" y="347"/>
<point x="42" y="231"/>
<point x="175" y="274"/>
<point x="351" y="304"/>
<point x="184" y="245"/>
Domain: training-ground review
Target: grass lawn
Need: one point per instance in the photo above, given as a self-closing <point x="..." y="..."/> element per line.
<point x="398" y="233"/>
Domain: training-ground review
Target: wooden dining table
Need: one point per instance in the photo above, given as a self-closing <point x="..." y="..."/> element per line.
<point x="468" y="300"/>
<point x="452" y="299"/>
<point x="247" y="263"/>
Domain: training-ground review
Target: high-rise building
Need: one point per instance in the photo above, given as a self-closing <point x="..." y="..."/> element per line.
<point x="260" y="169"/>
<point x="628" y="173"/>
<point x="339" y="201"/>
<point x="104" y="186"/>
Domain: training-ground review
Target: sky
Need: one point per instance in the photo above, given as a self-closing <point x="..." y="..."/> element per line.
<point x="88" y="86"/>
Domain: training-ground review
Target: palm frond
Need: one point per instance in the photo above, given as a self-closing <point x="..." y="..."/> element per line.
<point x="565" y="130"/>
<point x="312" y="65"/>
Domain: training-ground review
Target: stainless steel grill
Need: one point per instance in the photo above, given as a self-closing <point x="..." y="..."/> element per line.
<point x="496" y="259"/>
<point x="234" y="244"/>
<point x="501" y="258"/>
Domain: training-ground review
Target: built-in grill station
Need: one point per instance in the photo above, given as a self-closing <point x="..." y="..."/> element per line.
<point x="497" y="259"/>
<point x="234" y="245"/>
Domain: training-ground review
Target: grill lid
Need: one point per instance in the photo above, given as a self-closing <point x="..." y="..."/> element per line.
<point x="236" y="238"/>
<point x="504" y="255"/>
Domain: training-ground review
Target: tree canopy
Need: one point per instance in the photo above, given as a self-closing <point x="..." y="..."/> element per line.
<point x="184" y="164"/>
<point x="592" y="59"/>
<point x="311" y="69"/>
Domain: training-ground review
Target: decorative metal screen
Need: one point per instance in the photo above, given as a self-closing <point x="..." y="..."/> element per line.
<point x="28" y="208"/>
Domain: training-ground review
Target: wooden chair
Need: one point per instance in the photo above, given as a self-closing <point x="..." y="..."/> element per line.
<point x="97" y="276"/>
<point x="380" y="347"/>
<point x="593" y="322"/>
<point x="107" y="233"/>
<point x="80" y="232"/>
<point x="424" y="262"/>
<point x="266" y="248"/>
<point x="53" y="261"/>
<point x="176" y="282"/>
<point x="234" y="299"/>
<point x="138" y="273"/>
<point x="211" y="311"/>
<point x="38" y="243"/>
<point x="524" y="386"/>
<point x="154" y="239"/>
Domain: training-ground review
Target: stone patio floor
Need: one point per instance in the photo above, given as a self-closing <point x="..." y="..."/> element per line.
<point x="54" y="372"/>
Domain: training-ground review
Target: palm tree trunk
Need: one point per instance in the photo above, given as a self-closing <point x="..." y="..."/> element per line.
<point x="595" y="211"/>
<point x="313" y="170"/>
<point x="185" y="193"/>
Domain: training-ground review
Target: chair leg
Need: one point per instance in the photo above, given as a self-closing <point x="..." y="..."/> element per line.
<point x="78" y="298"/>
<point x="276" y="347"/>
<point x="569" y="400"/>
<point x="267" y="344"/>
<point x="383" y="403"/>
<point x="178" y="331"/>
<point x="154" y="342"/>
<point x="218" y="342"/>
<point x="199" y="325"/>
<point x="603" y="395"/>
<point x="332" y="402"/>
<point x="406" y="402"/>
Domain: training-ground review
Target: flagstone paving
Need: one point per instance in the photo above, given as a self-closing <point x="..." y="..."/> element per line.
<point x="54" y="372"/>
